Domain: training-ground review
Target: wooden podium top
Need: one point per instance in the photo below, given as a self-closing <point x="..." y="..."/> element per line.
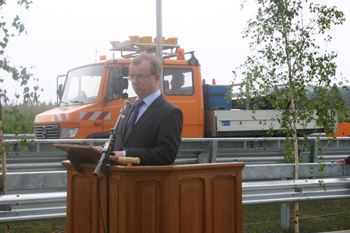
<point x="165" y="169"/>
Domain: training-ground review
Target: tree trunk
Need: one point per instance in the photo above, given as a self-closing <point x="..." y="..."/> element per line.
<point x="296" y="169"/>
<point x="296" y="176"/>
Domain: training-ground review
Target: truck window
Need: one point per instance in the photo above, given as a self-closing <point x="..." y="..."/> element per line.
<point x="109" y="92"/>
<point x="178" y="82"/>
<point x="82" y="85"/>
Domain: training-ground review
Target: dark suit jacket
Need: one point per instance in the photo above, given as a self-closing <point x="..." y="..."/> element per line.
<point x="156" y="136"/>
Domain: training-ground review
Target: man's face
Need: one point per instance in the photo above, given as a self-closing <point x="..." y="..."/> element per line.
<point x="144" y="82"/>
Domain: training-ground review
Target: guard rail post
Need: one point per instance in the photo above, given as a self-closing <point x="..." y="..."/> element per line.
<point x="204" y="156"/>
<point x="305" y="156"/>
<point x="285" y="209"/>
<point x="37" y="147"/>
<point x="313" y="150"/>
<point x="213" y="151"/>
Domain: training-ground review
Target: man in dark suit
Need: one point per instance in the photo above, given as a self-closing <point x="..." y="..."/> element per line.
<point x="155" y="135"/>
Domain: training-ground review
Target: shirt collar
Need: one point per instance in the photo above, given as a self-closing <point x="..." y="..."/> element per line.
<point x="149" y="99"/>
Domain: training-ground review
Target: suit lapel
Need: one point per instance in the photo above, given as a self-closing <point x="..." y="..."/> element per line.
<point x="151" y="110"/>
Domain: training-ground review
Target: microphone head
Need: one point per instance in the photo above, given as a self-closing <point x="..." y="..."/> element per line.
<point x="127" y="104"/>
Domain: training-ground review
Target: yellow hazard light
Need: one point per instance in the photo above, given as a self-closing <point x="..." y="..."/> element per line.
<point x="173" y="40"/>
<point x="180" y="54"/>
<point x="103" y="57"/>
<point x="134" y="39"/>
<point x="114" y="43"/>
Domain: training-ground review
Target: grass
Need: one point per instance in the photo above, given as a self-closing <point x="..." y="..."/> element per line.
<point x="315" y="216"/>
<point x="39" y="226"/>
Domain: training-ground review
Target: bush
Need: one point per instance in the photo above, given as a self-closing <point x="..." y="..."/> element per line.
<point x="19" y="119"/>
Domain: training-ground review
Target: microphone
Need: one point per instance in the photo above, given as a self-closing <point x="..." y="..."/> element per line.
<point x="127" y="106"/>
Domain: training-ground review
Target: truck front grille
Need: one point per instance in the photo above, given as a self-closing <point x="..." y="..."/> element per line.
<point x="46" y="131"/>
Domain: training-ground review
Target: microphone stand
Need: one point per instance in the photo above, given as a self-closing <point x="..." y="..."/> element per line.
<point x="106" y="152"/>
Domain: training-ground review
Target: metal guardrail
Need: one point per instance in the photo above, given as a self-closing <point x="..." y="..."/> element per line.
<point x="24" y="207"/>
<point x="192" y="151"/>
<point x="36" y="180"/>
<point x="294" y="190"/>
<point x="253" y="151"/>
<point x="40" y="168"/>
<point x="19" y="207"/>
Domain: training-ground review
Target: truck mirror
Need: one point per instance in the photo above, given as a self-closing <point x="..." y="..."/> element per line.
<point x="118" y="84"/>
<point x="60" y="91"/>
<point x="125" y="71"/>
<point x="125" y="84"/>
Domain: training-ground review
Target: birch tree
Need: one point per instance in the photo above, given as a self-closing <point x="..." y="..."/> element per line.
<point x="11" y="25"/>
<point x="288" y="41"/>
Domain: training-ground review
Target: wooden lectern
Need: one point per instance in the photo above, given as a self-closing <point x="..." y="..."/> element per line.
<point x="157" y="199"/>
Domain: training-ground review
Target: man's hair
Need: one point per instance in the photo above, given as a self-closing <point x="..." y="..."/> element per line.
<point x="155" y="62"/>
<point x="179" y="76"/>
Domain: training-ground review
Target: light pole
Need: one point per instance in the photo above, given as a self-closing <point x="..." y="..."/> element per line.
<point x="159" y="44"/>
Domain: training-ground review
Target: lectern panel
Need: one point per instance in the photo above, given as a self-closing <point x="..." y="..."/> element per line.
<point x="223" y="204"/>
<point x="82" y="204"/>
<point x="113" y="203"/>
<point x="191" y="194"/>
<point x="148" y="206"/>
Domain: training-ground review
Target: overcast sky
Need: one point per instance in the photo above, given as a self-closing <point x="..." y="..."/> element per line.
<point x="67" y="33"/>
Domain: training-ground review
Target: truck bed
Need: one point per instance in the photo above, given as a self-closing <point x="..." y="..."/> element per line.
<point x="238" y="123"/>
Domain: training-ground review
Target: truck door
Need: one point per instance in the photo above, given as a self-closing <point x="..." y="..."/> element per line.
<point x="180" y="90"/>
<point x="111" y="105"/>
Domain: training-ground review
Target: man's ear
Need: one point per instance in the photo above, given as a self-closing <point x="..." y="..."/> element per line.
<point x="157" y="77"/>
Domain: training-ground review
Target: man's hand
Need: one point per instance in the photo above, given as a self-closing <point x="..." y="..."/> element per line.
<point x="116" y="156"/>
<point x="341" y="161"/>
<point x="97" y="148"/>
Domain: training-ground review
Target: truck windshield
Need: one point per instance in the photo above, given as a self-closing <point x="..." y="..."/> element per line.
<point x="82" y="85"/>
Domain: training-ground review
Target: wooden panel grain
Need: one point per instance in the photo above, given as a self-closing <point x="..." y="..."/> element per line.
<point x="191" y="206"/>
<point x="113" y="205"/>
<point x="223" y="204"/>
<point x="204" y="198"/>
<point x="82" y="214"/>
<point x="148" y="206"/>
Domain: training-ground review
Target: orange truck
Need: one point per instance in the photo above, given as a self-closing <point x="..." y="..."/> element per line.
<point x="88" y="106"/>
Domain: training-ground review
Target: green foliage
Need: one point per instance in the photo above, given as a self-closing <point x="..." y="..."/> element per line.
<point x="288" y="52"/>
<point x="19" y="119"/>
<point x="18" y="73"/>
<point x="286" y="40"/>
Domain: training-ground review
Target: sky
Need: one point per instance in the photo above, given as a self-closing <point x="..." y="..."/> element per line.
<point x="68" y="33"/>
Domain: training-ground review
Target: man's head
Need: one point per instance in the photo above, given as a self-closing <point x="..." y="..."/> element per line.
<point x="144" y="74"/>
<point x="178" y="80"/>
